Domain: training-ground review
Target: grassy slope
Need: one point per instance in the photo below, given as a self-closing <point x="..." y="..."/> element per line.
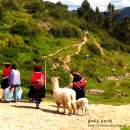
<point x="101" y="66"/>
<point x="126" y="128"/>
<point x="96" y="66"/>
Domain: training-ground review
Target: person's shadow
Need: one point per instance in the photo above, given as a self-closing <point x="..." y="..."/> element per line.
<point x="43" y="109"/>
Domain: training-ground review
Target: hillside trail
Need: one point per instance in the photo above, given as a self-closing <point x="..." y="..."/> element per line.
<point x="126" y="75"/>
<point x="99" y="47"/>
<point x="67" y="58"/>
<point x="79" y="46"/>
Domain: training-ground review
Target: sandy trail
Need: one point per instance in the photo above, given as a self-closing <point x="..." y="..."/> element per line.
<point x="24" y="116"/>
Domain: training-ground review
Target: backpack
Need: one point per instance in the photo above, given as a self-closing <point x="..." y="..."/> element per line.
<point x="38" y="80"/>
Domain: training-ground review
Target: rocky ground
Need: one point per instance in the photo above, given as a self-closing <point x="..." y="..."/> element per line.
<point x="23" y="116"/>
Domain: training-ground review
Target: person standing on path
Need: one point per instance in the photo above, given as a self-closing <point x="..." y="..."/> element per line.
<point x="5" y="76"/>
<point x="37" y="89"/>
<point x="79" y="85"/>
<point x="14" y="81"/>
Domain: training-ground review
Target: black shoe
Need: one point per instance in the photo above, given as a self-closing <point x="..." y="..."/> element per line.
<point x="5" y="101"/>
<point x="37" y="106"/>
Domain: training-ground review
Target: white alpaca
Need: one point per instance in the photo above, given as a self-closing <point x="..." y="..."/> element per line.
<point x="64" y="96"/>
<point x="83" y="103"/>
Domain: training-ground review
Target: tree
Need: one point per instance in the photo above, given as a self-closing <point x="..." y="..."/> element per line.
<point x="61" y="5"/>
<point x="110" y="17"/>
<point x="86" y="11"/>
<point x="125" y="29"/>
<point x="122" y="30"/>
<point x="98" y="16"/>
<point x="59" y="11"/>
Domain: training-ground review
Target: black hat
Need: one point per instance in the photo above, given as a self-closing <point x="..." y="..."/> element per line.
<point x="76" y="73"/>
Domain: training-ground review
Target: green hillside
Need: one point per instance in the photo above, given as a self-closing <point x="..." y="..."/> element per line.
<point x="30" y="31"/>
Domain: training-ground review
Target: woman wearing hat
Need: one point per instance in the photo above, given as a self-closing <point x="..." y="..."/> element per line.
<point x="37" y="89"/>
<point x="79" y="85"/>
<point x="5" y="76"/>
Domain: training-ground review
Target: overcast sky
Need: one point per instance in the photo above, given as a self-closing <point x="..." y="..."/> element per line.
<point x="102" y="4"/>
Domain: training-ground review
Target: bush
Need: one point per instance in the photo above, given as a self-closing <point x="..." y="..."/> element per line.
<point x="20" y="28"/>
<point x="93" y="49"/>
<point x="10" y="4"/>
<point x="59" y="13"/>
<point x="35" y="51"/>
<point x="35" y="6"/>
<point x="108" y="46"/>
<point x="114" y="44"/>
<point x="9" y="53"/>
<point x="24" y="29"/>
<point x="66" y="30"/>
<point x="56" y="32"/>
<point x="16" y="41"/>
<point x="1" y="14"/>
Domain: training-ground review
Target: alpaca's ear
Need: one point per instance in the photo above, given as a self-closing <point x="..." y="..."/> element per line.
<point x="58" y="78"/>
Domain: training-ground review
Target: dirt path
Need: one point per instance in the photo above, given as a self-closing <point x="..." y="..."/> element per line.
<point x="67" y="59"/>
<point x="24" y="116"/>
<point x="99" y="47"/>
<point x="79" y="49"/>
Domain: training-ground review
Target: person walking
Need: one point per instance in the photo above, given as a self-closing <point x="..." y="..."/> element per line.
<point x="14" y="81"/>
<point x="79" y="85"/>
<point x="5" y="76"/>
<point x="37" y="89"/>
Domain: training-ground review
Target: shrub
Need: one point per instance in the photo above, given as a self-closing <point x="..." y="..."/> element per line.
<point x="16" y="41"/>
<point x="35" y="51"/>
<point x="24" y="29"/>
<point x="27" y="62"/>
<point x="20" y="28"/>
<point x="108" y="46"/>
<point x="10" y="4"/>
<point x="9" y="53"/>
<point x="66" y="30"/>
<point x="56" y="32"/>
<point x="59" y="13"/>
<point x="93" y="49"/>
<point x="35" y="6"/>
<point x="1" y="14"/>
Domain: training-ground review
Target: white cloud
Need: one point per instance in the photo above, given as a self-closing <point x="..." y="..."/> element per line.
<point x="101" y="4"/>
<point x="126" y="2"/>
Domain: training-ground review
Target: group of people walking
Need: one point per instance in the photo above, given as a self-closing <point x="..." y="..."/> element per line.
<point x="37" y="91"/>
<point x="12" y="82"/>
<point x="11" y="79"/>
